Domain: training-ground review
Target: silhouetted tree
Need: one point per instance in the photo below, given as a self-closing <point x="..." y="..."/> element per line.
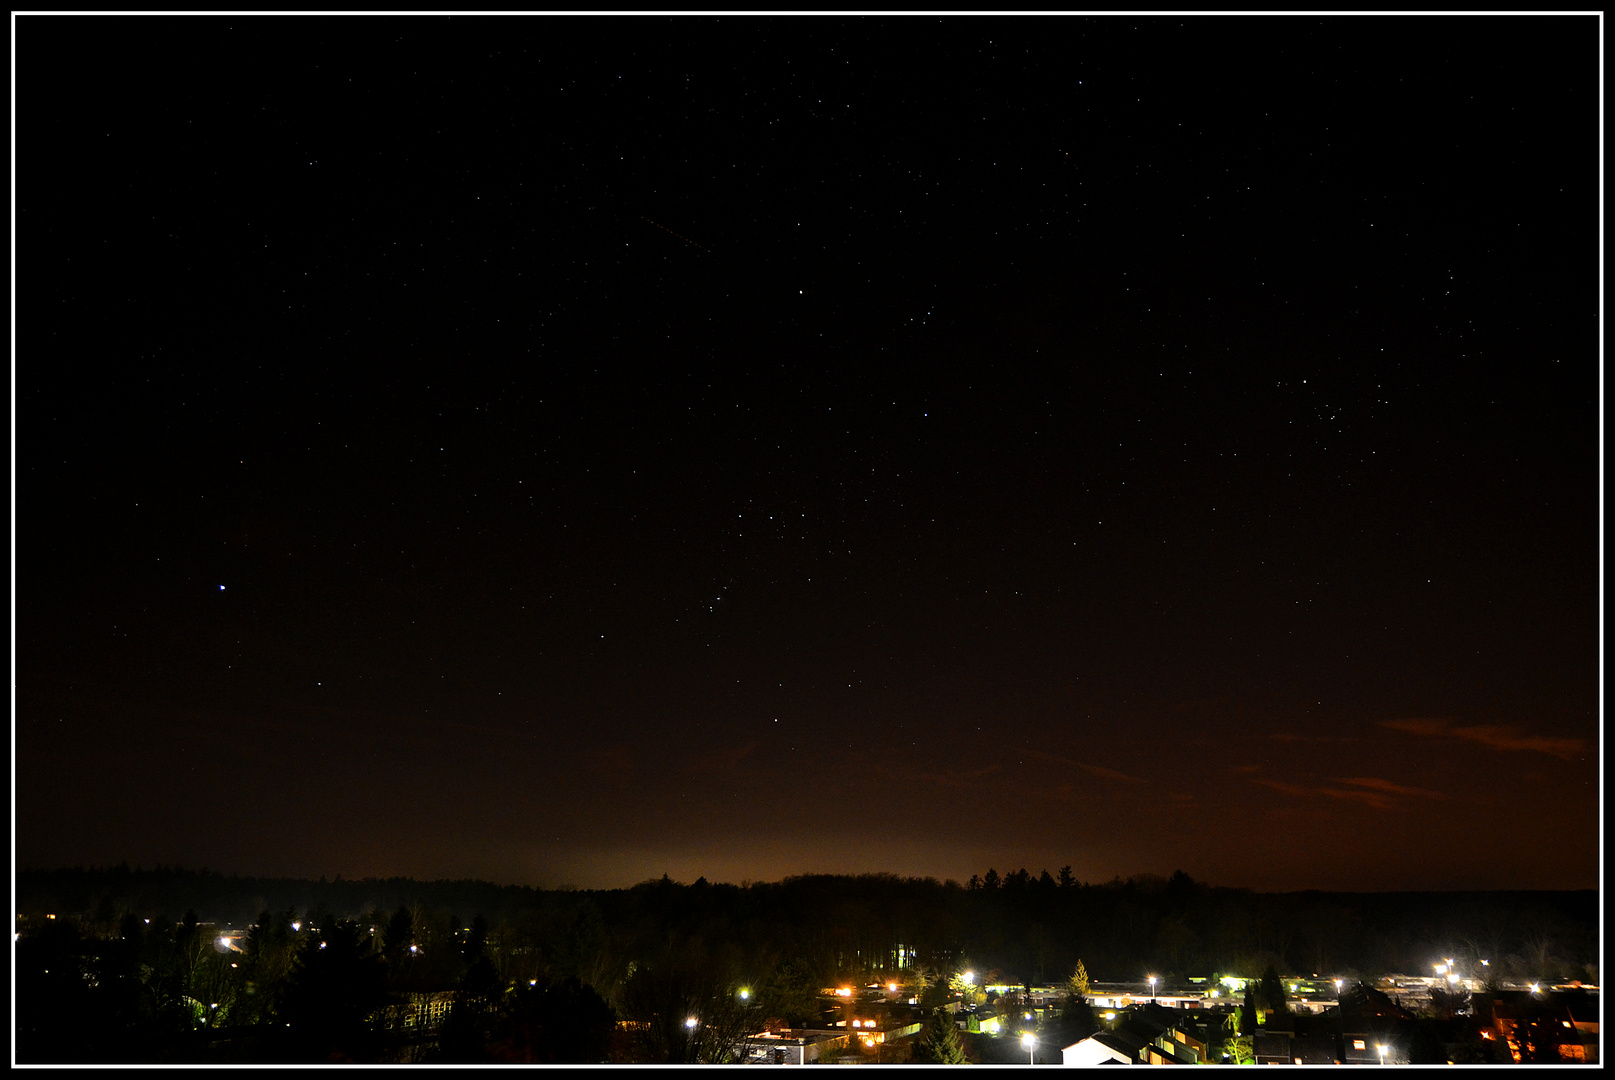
<point x="686" y="1009"/>
<point x="1076" y="1021"/>
<point x="396" y="938"/>
<point x="791" y="991"/>
<point x="565" y="1023"/>
<point x="476" y="939"/>
<point x="334" y="989"/>
<point x="1270" y="996"/>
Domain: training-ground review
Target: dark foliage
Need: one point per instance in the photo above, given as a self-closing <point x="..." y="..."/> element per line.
<point x="134" y="997"/>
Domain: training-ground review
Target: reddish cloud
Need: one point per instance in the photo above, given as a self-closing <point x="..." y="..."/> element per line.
<point x="1379" y="794"/>
<point x="1096" y="770"/>
<point x="1496" y="736"/>
<point x="1390" y="788"/>
<point x="1111" y="774"/>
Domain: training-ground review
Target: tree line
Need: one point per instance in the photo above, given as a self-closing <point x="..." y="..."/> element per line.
<point x="633" y="965"/>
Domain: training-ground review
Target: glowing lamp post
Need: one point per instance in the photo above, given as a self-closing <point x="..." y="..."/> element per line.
<point x="1381" y="1048"/>
<point x="1029" y="1044"/>
<point x="1152" y="986"/>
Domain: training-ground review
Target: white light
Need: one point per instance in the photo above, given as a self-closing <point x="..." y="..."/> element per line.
<point x="295" y="925"/>
<point x="690" y="1023"/>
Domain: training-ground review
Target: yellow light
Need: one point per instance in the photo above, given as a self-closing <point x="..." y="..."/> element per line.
<point x="843" y="992"/>
<point x="892" y="987"/>
<point x="1441" y="969"/>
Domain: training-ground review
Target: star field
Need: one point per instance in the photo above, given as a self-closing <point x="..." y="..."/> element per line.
<point x="563" y="450"/>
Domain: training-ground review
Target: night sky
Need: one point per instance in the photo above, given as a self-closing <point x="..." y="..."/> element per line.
<point x="562" y="451"/>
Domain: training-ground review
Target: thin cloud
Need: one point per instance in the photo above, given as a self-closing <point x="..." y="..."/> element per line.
<point x="1286" y="788"/>
<point x="1503" y="738"/>
<point x="955" y="779"/>
<point x="1496" y="736"/>
<point x="1292" y="737"/>
<point x="1111" y="774"/>
<point x="1391" y="788"/>
<point x="1096" y="770"/>
<point x="1368" y="798"/>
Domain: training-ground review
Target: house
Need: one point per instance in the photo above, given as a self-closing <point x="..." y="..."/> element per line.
<point x="789" y="1047"/>
<point x="1149" y="1034"/>
<point x="1105" y="1048"/>
<point x="1272" y="1048"/>
<point x="1550" y="1025"/>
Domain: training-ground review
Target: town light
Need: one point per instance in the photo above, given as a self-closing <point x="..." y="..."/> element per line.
<point x="1441" y="969"/>
<point x="1029" y="1044"/>
<point x="1536" y="987"/>
<point x="970" y="976"/>
<point x="1152" y="986"/>
<point x="744" y="994"/>
<point x="1338" y="983"/>
<point x="1381" y="1048"/>
<point x="224" y="943"/>
<point x="297" y="926"/>
<point x="690" y="1023"/>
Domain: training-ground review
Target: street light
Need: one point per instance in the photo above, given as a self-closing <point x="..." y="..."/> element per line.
<point x="690" y="1023"/>
<point x="1381" y="1048"/>
<point x="1029" y="1044"/>
<point x="1152" y="986"/>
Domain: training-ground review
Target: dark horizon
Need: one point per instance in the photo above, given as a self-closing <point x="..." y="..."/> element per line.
<point x="573" y="450"/>
<point x="1146" y="880"/>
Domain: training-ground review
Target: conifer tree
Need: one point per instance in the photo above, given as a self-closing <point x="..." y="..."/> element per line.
<point x="1077" y="985"/>
<point x="940" y="1045"/>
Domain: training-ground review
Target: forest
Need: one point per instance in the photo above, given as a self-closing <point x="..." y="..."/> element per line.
<point x="120" y="964"/>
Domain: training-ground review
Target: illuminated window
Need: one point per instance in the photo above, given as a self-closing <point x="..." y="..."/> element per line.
<point x="1358" y="1044"/>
